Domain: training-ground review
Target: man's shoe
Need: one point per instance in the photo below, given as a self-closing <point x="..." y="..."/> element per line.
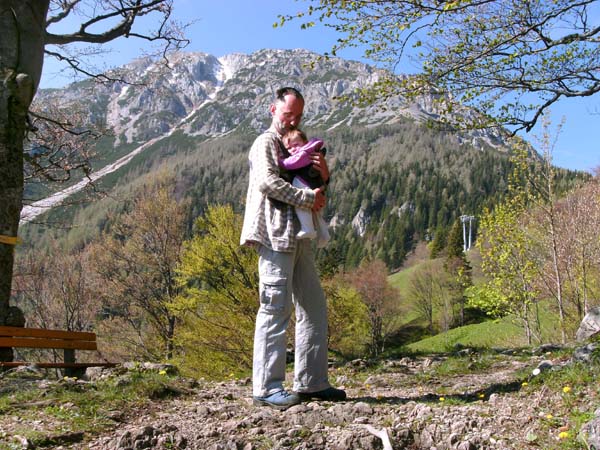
<point x="281" y="400"/>
<point x="330" y="394"/>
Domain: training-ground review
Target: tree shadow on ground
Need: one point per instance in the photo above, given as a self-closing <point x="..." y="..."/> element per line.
<point x="469" y="397"/>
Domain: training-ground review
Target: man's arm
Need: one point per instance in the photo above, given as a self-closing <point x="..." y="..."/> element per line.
<point x="264" y="156"/>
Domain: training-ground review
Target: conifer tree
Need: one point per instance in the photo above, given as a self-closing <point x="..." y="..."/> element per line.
<point x="455" y="246"/>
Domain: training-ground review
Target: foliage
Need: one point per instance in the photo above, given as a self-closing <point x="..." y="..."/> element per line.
<point x="489" y="300"/>
<point x="537" y="247"/>
<point x="505" y="247"/>
<point x="136" y="259"/>
<point x="426" y="292"/>
<point x="217" y="305"/>
<point x="439" y="242"/>
<point x="435" y="289"/>
<point x="348" y="318"/>
<point x="579" y="228"/>
<point x="488" y="54"/>
<point x="381" y="299"/>
<point x="58" y="290"/>
<point x="408" y="179"/>
<point x="21" y="60"/>
<point x="455" y="244"/>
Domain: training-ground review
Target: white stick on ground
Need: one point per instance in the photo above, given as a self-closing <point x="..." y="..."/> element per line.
<point x="381" y="434"/>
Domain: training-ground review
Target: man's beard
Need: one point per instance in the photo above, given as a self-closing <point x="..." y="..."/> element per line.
<point x="281" y="128"/>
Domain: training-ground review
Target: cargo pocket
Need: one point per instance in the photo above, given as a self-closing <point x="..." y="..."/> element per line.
<point x="273" y="294"/>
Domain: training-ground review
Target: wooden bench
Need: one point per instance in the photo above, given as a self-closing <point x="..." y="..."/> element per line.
<point x="69" y="341"/>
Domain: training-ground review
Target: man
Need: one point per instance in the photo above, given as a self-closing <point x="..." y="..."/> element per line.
<point x="286" y="268"/>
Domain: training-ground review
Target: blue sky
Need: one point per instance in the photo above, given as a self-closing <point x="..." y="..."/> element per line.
<point x="243" y="26"/>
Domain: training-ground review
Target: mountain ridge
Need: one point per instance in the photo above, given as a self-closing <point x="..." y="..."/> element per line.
<point x="199" y="80"/>
<point x="396" y="180"/>
<point x="206" y="97"/>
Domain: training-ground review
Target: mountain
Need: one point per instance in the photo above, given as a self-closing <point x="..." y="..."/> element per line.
<point x="394" y="179"/>
<point x="205" y="96"/>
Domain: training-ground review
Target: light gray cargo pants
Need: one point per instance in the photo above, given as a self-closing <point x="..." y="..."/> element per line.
<point x="285" y="279"/>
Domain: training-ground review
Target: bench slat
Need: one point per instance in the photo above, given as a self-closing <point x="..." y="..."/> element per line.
<point x="56" y="365"/>
<point x="46" y="343"/>
<point x="43" y="333"/>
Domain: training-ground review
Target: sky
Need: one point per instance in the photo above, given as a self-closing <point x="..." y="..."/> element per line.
<point x="243" y="26"/>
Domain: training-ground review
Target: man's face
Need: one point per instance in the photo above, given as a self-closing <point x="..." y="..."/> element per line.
<point x="287" y="113"/>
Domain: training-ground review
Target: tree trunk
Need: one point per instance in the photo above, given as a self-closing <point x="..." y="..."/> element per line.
<point x="23" y="25"/>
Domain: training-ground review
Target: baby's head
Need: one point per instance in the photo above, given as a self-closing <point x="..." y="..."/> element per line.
<point x="294" y="138"/>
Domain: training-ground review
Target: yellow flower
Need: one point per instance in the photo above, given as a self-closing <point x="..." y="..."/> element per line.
<point x="567" y="389"/>
<point x="442" y="399"/>
<point x="481" y="396"/>
<point x="162" y="372"/>
<point x="549" y="416"/>
<point x="563" y="435"/>
<point x="524" y="383"/>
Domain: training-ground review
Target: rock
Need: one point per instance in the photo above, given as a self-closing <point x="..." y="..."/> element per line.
<point x="342" y="380"/>
<point x="585" y="354"/>
<point x="590" y="433"/>
<point x="24" y="442"/>
<point x="545" y="365"/>
<point x="546" y="348"/>
<point x="219" y="415"/>
<point x="363" y="409"/>
<point x="98" y="373"/>
<point x="28" y="371"/>
<point x="590" y="325"/>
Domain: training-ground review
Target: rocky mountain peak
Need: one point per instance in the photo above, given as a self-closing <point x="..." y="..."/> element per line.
<point x="206" y="96"/>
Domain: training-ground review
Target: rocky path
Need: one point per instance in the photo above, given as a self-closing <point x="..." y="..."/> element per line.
<point x="405" y="401"/>
<point x="468" y="401"/>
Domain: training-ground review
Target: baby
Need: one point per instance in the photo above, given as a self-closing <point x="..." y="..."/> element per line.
<point x="305" y="176"/>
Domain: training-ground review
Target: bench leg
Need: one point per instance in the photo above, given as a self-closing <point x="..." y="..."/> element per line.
<point x="72" y="371"/>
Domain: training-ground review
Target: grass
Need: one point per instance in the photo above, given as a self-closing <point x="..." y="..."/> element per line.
<point x="573" y="393"/>
<point x="70" y="406"/>
<point x="501" y="333"/>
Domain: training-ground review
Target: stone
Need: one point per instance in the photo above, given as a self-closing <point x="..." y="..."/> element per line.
<point x="363" y="409"/>
<point x="585" y="354"/>
<point x="590" y="433"/>
<point x="545" y="365"/>
<point x="590" y="325"/>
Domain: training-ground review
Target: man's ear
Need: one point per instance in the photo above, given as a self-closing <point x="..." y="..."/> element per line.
<point x="272" y="108"/>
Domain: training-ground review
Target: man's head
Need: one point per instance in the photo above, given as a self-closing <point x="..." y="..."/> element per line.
<point x="287" y="109"/>
<point x="294" y="138"/>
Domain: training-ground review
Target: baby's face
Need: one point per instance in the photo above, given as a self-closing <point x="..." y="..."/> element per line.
<point x="295" y="142"/>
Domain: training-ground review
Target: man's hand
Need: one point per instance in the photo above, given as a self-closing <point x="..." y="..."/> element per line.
<point x="320" y="199"/>
<point x="320" y="164"/>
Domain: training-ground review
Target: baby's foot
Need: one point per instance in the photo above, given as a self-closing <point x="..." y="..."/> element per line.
<point x="306" y="234"/>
